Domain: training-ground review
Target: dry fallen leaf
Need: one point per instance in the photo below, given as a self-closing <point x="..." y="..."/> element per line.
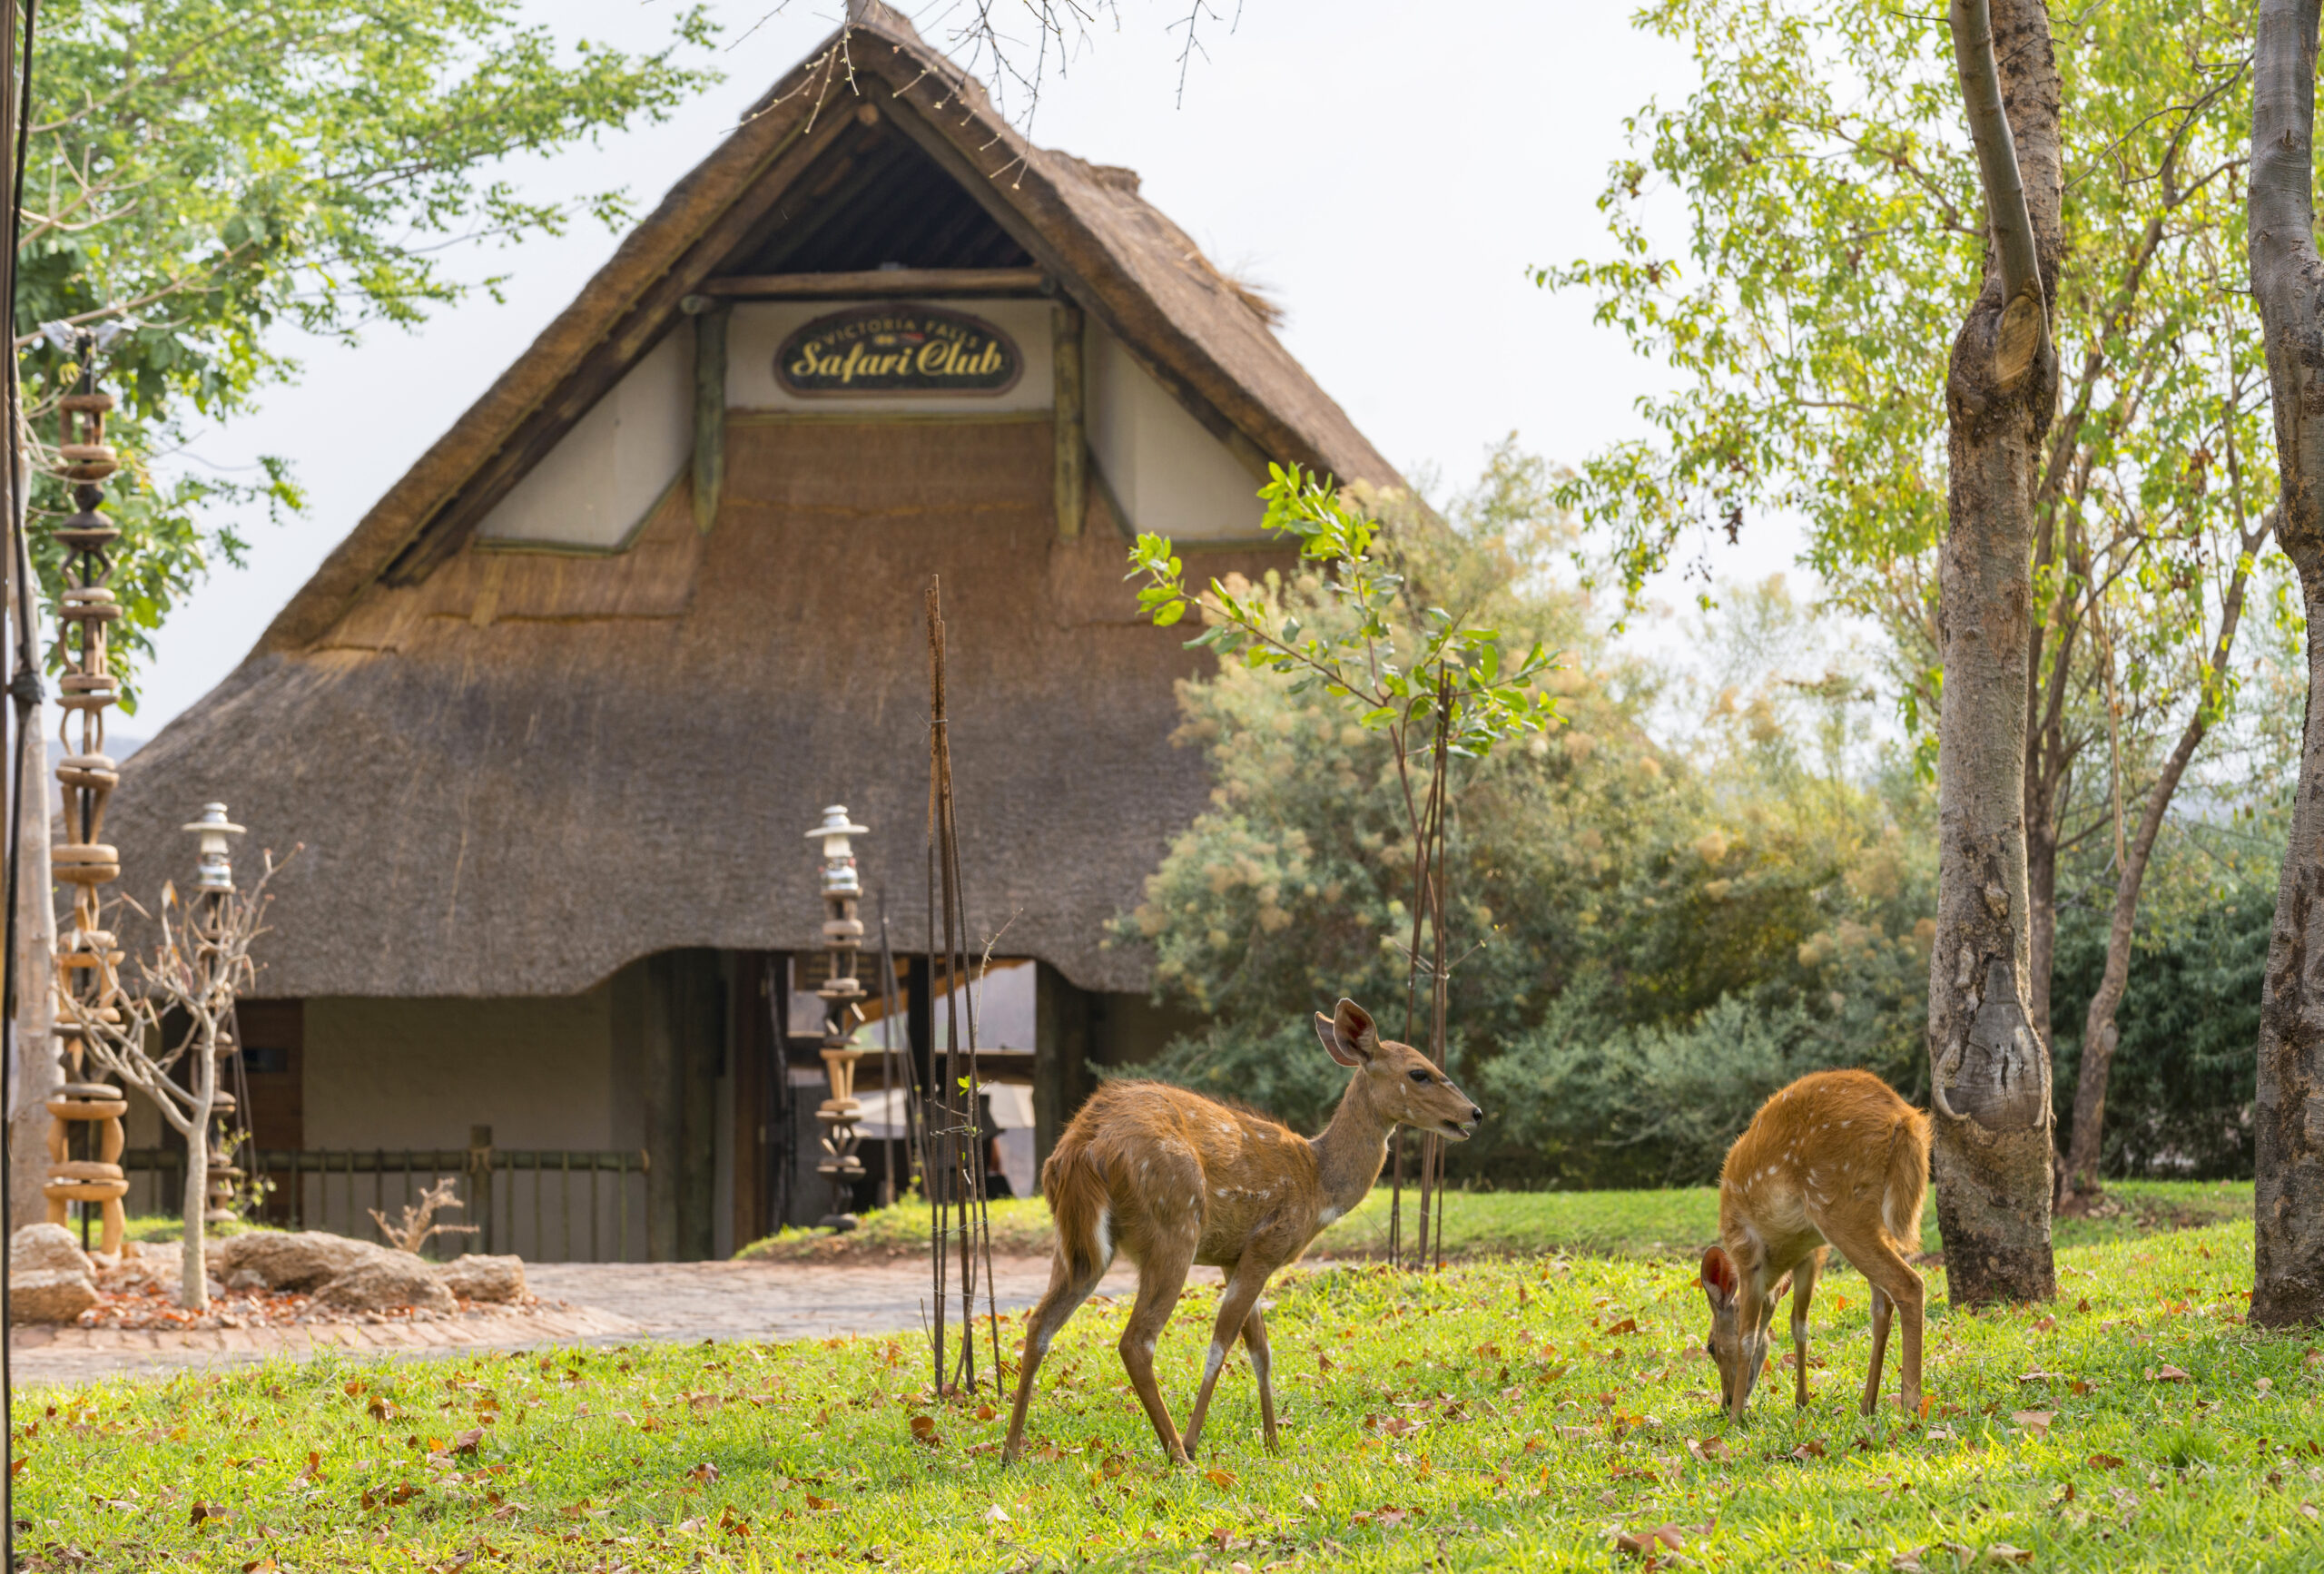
<point x="924" y="1430"/>
<point x="2168" y="1374"/>
<point x="2106" y="1461"/>
<point x="2034" y="1420"/>
<point x="2045" y="1324"/>
<point x="996" y="1515"/>
<point x="2003" y="1552"/>
<point x="1221" y="1479"/>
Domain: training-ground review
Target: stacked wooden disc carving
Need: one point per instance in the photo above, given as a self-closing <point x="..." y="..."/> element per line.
<point x="840" y="991"/>
<point x="88" y="962"/>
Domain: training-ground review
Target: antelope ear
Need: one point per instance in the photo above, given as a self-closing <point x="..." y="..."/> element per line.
<point x="1329" y="1033"/>
<point x="1358" y="1034"/>
<point x="1719" y="1279"/>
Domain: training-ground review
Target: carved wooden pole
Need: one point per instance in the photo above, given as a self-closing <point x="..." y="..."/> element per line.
<point x="88" y="962"/>
<point x="840" y="991"/>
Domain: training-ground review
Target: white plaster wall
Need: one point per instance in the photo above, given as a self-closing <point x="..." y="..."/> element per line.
<point x="1169" y="475"/>
<point x="393" y="1074"/>
<point x="597" y="485"/>
<point x="758" y="328"/>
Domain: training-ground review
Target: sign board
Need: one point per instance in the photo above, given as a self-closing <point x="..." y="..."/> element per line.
<point x="897" y="348"/>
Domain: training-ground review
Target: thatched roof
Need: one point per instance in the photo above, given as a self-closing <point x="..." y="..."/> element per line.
<point x="513" y="773"/>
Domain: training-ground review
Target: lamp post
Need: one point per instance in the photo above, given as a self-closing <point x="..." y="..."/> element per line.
<point x="213" y="884"/>
<point x="840" y="991"/>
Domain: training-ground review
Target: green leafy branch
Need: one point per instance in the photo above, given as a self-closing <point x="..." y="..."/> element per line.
<point x="1393" y="687"/>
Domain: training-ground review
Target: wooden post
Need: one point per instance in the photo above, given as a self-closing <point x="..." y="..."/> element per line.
<point x="1060" y="1053"/>
<point x="1072" y="443"/>
<point x="709" y="407"/>
<point x="480" y="1182"/>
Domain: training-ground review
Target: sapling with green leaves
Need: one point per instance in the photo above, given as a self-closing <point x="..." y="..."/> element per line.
<point x="1420" y="673"/>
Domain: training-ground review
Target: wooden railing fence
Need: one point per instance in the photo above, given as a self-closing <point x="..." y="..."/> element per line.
<point x="546" y="1204"/>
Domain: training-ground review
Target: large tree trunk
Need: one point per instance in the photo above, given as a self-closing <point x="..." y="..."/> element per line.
<point x="2288" y="1270"/>
<point x="1990" y="1067"/>
<point x="39" y="1072"/>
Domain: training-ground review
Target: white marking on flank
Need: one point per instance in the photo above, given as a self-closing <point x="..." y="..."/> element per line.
<point x="1213" y="1361"/>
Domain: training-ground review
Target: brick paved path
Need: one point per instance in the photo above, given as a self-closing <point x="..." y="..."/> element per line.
<point x="604" y="1303"/>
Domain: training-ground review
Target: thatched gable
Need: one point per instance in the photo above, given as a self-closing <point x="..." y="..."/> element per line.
<point x="514" y="772"/>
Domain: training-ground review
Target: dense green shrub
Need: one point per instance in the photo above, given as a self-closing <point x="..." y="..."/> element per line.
<point x="1752" y="901"/>
<point x="2180" y="1099"/>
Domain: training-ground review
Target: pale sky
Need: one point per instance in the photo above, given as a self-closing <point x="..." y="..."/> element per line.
<point x="1389" y="171"/>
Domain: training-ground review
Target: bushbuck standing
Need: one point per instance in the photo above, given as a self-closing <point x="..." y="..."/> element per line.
<point x="1835" y="1159"/>
<point x="1169" y="1178"/>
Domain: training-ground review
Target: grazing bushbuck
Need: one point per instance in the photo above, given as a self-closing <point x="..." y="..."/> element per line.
<point x="1835" y="1159"/>
<point x="1169" y="1178"/>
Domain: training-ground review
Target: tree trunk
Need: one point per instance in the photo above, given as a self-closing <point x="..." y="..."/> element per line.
<point x="193" y="1282"/>
<point x="2099" y="1035"/>
<point x="2287" y="278"/>
<point x="39" y="1073"/>
<point x="193" y="1277"/>
<point x="1990" y="1068"/>
<point x="2099" y="1038"/>
<point x="2041" y="906"/>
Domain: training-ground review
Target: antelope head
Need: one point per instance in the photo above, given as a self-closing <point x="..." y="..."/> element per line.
<point x="1405" y="1086"/>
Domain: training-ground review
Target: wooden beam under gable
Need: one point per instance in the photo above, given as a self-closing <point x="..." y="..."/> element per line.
<point x="1067" y="406"/>
<point x="448" y="529"/>
<point x="884" y="281"/>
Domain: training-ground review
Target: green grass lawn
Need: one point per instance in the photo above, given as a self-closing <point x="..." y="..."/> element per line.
<point x="1517" y="1413"/>
<point x="1644" y="1224"/>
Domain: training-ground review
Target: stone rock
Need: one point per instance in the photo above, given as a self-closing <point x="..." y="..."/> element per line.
<point x="48" y="1296"/>
<point x="210" y="1287"/>
<point x="141" y="1267"/>
<point x="283" y="1261"/>
<point x="478" y="1277"/>
<point x="389" y="1280"/>
<point x="47" y="1249"/>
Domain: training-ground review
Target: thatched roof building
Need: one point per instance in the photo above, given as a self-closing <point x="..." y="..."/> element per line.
<point x="568" y="696"/>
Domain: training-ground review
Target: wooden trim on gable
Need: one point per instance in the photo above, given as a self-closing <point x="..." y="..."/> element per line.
<point x="606" y="363"/>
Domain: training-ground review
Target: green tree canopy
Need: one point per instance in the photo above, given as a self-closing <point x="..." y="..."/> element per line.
<point x="205" y="174"/>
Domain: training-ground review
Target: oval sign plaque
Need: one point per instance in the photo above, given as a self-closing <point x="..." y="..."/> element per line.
<point x="897" y="348"/>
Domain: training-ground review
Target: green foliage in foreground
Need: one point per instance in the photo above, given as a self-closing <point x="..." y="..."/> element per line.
<point x="1499" y="1415"/>
<point x="1671" y="1223"/>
